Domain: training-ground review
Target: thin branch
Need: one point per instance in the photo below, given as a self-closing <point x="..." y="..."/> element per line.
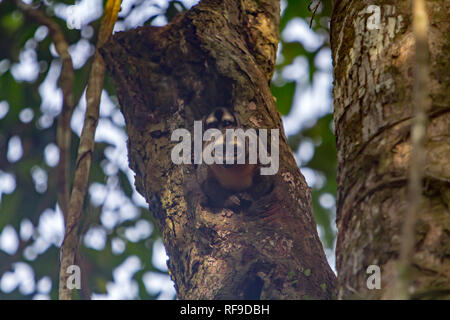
<point x="418" y="135"/>
<point x="85" y="150"/>
<point x="65" y="81"/>
<point x="313" y="6"/>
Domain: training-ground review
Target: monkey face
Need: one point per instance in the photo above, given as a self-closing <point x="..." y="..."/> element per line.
<point x="221" y="118"/>
<point x="223" y="181"/>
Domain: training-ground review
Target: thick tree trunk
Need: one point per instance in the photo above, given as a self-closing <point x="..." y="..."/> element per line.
<point x="219" y="53"/>
<point x="373" y="54"/>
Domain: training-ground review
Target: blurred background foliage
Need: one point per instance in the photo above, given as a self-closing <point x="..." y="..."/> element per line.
<point x="121" y="251"/>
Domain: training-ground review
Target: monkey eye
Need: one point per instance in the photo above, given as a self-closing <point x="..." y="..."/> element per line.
<point x="211" y="125"/>
<point x="227" y="123"/>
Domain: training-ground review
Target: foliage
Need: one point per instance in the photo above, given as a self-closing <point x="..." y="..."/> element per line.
<point x="118" y="229"/>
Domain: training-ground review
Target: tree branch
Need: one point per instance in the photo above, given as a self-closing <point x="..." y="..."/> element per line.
<point x="85" y="150"/>
<point x="65" y="81"/>
<point x="418" y="135"/>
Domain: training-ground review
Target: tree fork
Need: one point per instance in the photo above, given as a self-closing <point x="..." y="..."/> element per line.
<point x="219" y="53"/>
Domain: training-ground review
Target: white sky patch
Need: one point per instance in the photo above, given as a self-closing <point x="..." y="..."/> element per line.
<point x="26" y="115"/>
<point x="138" y="199"/>
<point x="109" y="218"/>
<point x="15" y="150"/>
<point x="28" y="68"/>
<point x="4" y="66"/>
<point x="51" y="95"/>
<point x="31" y="44"/>
<point x="118" y="118"/>
<point x="38" y="247"/>
<point x="44" y="285"/>
<point x="106" y="131"/>
<point x="320" y="180"/>
<point x="51" y="154"/>
<point x="22" y="276"/>
<point x="51" y="226"/>
<point x="323" y="60"/>
<point x="97" y="193"/>
<point x="9" y="241"/>
<point x="141" y="13"/>
<point x="309" y="175"/>
<point x="310" y="102"/>
<point x="25" y="277"/>
<point x="45" y="121"/>
<point x="189" y="3"/>
<point x="305" y="151"/>
<point x="40" y="178"/>
<point x="280" y="57"/>
<point x="8" y="282"/>
<point x="117" y="154"/>
<point x="40" y="33"/>
<point x="81" y="52"/>
<point x="80" y="14"/>
<point x="109" y="168"/>
<point x="331" y="257"/>
<point x="50" y="231"/>
<point x="126" y="7"/>
<point x="117" y="207"/>
<point x="114" y="199"/>
<point x="76" y="123"/>
<point x="327" y="200"/>
<point x="157" y="283"/>
<point x="95" y="238"/>
<point x="117" y="246"/>
<point x="298" y="70"/>
<point x="141" y="230"/>
<point x="159" y="257"/>
<point x="283" y="5"/>
<point x="159" y="21"/>
<point x="107" y="106"/>
<point x="53" y="51"/>
<point x="4" y="108"/>
<point x="123" y="287"/>
<point x="128" y="211"/>
<point x="7" y="183"/>
<point x="26" y="229"/>
<point x="298" y="30"/>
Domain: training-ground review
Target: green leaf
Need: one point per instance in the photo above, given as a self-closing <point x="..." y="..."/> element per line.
<point x="12" y="21"/>
<point x="284" y="95"/>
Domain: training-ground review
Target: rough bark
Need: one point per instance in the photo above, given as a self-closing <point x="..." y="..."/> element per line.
<point x="219" y="53"/>
<point x="373" y="91"/>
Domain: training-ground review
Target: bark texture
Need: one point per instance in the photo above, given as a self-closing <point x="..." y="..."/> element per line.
<point x="219" y="53"/>
<point x="374" y="75"/>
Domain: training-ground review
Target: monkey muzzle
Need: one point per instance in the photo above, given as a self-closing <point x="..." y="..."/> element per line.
<point x="230" y="153"/>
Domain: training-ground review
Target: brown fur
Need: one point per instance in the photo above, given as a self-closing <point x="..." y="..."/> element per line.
<point x="236" y="178"/>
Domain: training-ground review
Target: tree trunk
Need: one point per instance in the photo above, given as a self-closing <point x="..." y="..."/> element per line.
<point x="373" y="54"/>
<point x="219" y="53"/>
